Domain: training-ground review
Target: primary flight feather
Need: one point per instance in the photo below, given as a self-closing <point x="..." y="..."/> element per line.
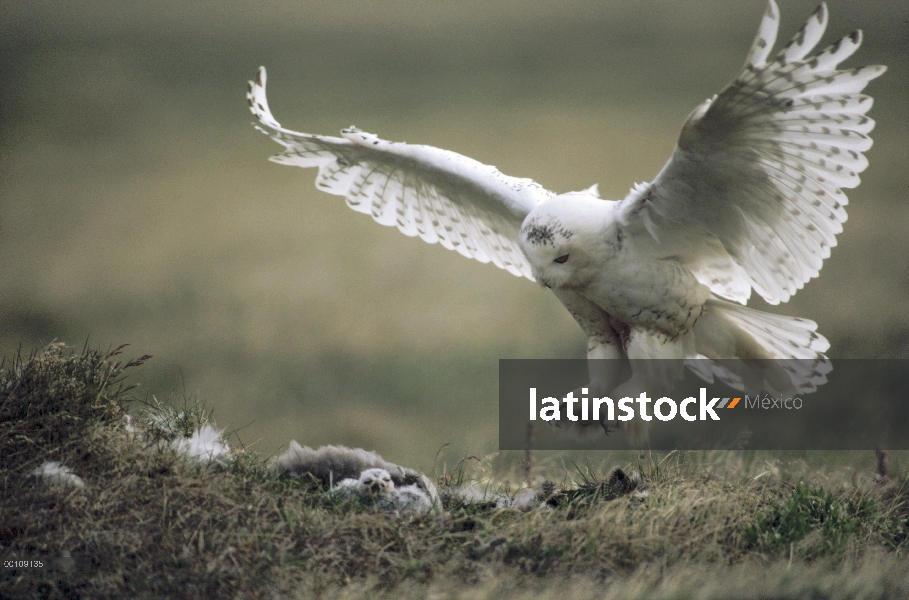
<point x="751" y="199"/>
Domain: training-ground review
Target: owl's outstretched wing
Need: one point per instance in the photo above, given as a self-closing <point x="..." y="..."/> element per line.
<point x="435" y="194"/>
<point x="752" y="195"/>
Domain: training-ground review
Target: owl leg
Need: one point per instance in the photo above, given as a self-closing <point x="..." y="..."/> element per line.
<point x="656" y="364"/>
<point x="607" y="363"/>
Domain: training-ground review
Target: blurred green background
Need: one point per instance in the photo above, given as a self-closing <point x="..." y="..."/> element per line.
<point x="137" y="205"/>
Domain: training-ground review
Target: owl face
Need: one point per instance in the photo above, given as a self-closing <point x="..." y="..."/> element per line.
<point x="376" y="482"/>
<point x="560" y="235"/>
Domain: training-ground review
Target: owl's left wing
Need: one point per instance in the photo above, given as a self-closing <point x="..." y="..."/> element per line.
<point x="438" y="195"/>
<point x="752" y="195"/>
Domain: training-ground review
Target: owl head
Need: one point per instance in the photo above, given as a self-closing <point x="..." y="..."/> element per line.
<point x="376" y="482"/>
<point x="563" y="238"/>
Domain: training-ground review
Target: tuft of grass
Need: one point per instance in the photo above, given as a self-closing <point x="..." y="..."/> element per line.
<point x="150" y="523"/>
<point x="824" y="523"/>
<point x="50" y="400"/>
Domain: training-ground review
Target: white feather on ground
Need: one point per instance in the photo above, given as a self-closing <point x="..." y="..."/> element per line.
<point x="205" y="445"/>
<point x="55" y="474"/>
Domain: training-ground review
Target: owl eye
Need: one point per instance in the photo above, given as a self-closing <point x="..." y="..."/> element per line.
<point x="562" y="259"/>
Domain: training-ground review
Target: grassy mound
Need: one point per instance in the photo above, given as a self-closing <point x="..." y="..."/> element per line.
<point x="149" y="523"/>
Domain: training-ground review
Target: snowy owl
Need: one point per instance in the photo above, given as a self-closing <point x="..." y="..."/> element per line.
<point x="377" y="485"/>
<point x="751" y="199"/>
<point x="407" y="500"/>
<point x="370" y="483"/>
<point x="340" y="464"/>
<point x="376" y="482"/>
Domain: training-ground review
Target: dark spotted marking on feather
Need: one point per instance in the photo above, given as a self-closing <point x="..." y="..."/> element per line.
<point x="818" y="14"/>
<point x="544" y="234"/>
<point x="616" y="243"/>
<point x="538" y="234"/>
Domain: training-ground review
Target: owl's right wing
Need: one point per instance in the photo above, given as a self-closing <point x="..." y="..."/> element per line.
<point x="438" y="195"/>
<point x="752" y="197"/>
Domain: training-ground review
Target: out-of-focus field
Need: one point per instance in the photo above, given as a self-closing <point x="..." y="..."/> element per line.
<point x="137" y="204"/>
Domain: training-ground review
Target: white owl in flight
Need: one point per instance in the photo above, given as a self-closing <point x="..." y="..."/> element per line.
<point x="751" y="199"/>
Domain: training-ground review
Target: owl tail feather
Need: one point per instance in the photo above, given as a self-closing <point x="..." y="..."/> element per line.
<point x="788" y="349"/>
